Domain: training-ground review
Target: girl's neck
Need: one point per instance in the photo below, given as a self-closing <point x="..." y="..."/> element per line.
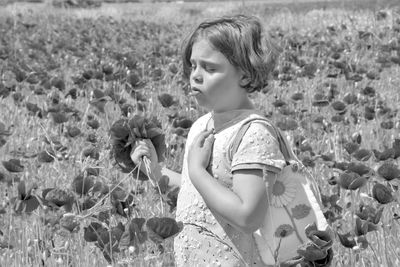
<point x="245" y="104"/>
<point x="221" y="119"/>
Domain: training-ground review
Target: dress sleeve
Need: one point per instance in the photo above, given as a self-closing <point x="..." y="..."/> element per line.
<point x="259" y="149"/>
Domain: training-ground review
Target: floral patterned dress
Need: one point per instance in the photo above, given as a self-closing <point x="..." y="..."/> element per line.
<point x="207" y="239"/>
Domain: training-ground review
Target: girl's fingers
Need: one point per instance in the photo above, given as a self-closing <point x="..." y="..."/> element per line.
<point x="199" y="141"/>
<point x="209" y="140"/>
<point x="140" y="152"/>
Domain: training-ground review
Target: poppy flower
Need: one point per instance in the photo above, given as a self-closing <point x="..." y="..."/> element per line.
<point x="161" y="228"/>
<point x="58" y="83"/>
<point x="88" y="74"/>
<point x="57" y="198"/>
<point x="107" y="69"/>
<point x="347" y="240"/>
<point x="173" y="68"/>
<point x="98" y="100"/>
<point x="32" y="108"/>
<point x="350" y="98"/>
<point x="369" y="213"/>
<point x="337" y="118"/>
<point x="341" y="165"/>
<point x="384" y="155"/>
<point x="93" y="123"/>
<point x="320" y="238"/>
<point x="351" y="180"/>
<point x="184" y="123"/>
<point x="59" y="117"/>
<point x="166" y="100"/>
<point x="134" y="80"/>
<point x="359" y="168"/>
<point x="320" y="100"/>
<point x="389" y="171"/>
<point x="351" y="147"/>
<point x="287" y="124"/>
<point x="362" y="154"/>
<point x="369" y="113"/>
<point x="73" y="131"/>
<point x="368" y="91"/>
<point x="13" y="165"/>
<point x="339" y="107"/>
<point x="279" y="103"/>
<point x="382" y="193"/>
<point x="387" y="125"/>
<point x="124" y="134"/>
<point x="45" y="156"/>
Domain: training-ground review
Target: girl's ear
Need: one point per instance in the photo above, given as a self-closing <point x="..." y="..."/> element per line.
<point x="244" y="80"/>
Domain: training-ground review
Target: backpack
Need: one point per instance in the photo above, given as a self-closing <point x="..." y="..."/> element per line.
<point x="296" y="232"/>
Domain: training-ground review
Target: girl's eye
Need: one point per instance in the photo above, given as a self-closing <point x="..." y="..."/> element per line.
<point x="210" y="69"/>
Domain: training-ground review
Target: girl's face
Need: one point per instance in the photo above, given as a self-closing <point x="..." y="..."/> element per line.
<point x="214" y="80"/>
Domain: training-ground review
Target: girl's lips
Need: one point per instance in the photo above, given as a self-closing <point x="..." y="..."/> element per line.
<point x="195" y="91"/>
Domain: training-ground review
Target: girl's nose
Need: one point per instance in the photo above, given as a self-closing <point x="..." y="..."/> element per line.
<point x="196" y="76"/>
<point x="198" y="79"/>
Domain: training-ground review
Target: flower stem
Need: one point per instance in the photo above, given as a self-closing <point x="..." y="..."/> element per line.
<point x="294" y="225"/>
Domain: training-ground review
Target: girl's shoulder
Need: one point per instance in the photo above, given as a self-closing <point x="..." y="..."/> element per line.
<point x="199" y="124"/>
<point x="258" y="121"/>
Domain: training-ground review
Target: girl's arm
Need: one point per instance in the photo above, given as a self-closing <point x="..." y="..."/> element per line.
<point x="174" y="177"/>
<point x="244" y="206"/>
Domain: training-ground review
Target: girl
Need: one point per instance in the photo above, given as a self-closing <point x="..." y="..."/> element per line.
<point x="222" y="196"/>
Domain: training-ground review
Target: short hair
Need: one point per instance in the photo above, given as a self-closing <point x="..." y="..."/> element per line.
<point x="243" y="41"/>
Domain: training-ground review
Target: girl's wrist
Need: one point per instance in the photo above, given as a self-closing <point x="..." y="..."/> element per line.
<point x="195" y="170"/>
<point x="156" y="171"/>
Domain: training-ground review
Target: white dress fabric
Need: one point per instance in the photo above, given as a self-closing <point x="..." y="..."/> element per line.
<point x="207" y="239"/>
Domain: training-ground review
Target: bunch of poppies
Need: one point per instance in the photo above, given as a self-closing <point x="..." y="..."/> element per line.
<point x="124" y="134"/>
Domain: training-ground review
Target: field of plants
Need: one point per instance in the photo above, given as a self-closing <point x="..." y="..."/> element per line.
<point x="78" y="88"/>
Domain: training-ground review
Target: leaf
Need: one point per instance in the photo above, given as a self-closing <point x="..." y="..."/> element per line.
<point x="134" y="234"/>
<point x="310" y="252"/>
<point x="93" y="231"/>
<point x="301" y="211"/>
<point x="162" y="184"/>
<point x="27" y="205"/>
<point x="83" y="183"/>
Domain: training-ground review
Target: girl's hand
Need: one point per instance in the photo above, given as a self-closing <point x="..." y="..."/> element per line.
<point x="144" y="147"/>
<point x="200" y="150"/>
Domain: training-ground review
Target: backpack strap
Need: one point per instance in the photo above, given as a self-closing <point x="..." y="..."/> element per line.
<point x="283" y="143"/>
